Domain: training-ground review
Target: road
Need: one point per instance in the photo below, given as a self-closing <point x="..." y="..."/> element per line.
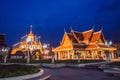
<point x="78" y="74"/>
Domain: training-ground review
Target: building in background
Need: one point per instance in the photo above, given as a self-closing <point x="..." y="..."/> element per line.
<point x="117" y="45"/>
<point x="91" y="45"/>
<point x="34" y="46"/>
<point x="3" y="47"/>
<point x="47" y="50"/>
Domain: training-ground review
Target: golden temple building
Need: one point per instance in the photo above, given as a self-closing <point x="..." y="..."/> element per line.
<point x="91" y="44"/>
<point x="34" y="45"/>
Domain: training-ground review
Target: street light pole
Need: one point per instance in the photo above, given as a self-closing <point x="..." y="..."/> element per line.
<point x="28" y="57"/>
<point x="44" y="49"/>
<point x="5" y="53"/>
<point x="28" y="40"/>
<point x="107" y="52"/>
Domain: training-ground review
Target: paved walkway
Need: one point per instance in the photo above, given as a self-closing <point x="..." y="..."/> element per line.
<point x="78" y="74"/>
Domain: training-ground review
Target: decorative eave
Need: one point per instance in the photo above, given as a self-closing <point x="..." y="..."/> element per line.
<point x="63" y="48"/>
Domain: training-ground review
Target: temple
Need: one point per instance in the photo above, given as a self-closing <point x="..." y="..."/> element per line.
<point x="91" y="44"/>
<point x="34" y="45"/>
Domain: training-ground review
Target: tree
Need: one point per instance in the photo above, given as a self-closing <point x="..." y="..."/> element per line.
<point x="78" y="53"/>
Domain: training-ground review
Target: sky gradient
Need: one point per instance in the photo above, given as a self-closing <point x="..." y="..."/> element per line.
<point x="49" y="18"/>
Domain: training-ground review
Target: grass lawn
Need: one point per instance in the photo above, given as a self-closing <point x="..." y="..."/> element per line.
<point x="16" y="70"/>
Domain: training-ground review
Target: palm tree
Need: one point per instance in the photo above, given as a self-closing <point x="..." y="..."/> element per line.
<point x="78" y="53"/>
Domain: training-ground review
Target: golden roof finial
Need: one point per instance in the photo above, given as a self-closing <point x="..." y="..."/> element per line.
<point x="30" y="34"/>
<point x="64" y="30"/>
<point x="101" y="28"/>
<point x="93" y="26"/>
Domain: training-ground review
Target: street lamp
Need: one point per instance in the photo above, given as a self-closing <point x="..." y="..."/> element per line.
<point x="53" y="55"/>
<point x="5" y="53"/>
<point x="44" y="49"/>
<point x="28" y="40"/>
<point x="78" y="53"/>
<point x="108" y="43"/>
<point x="107" y="53"/>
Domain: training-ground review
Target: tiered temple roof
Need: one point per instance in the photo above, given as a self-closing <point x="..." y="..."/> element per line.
<point x="87" y="40"/>
<point x="35" y="43"/>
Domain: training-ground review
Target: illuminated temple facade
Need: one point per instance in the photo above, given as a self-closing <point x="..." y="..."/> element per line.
<point x="90" y="43"/>
<point x="34" y="45"/>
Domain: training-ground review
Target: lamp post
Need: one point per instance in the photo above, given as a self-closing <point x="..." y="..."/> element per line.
<point x="53" y="56"/>
<point x="107" y="52"/>
<point x="28" y="40"/>
<point x="78" y="53"/>
<point x="44" y="49"/>
<point x="5" y="53"/>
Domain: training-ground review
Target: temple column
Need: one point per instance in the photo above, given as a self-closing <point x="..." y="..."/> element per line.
<point x="68" y="54"/>
<point x="64" y="55"/>
<point x="59" y="55"/>
<point x="112" y="55"/>
<point x="84" y="54"/>
<point x="92" y="54"/>
<point x="55" y="55"/>
<point x="72" y="54"/>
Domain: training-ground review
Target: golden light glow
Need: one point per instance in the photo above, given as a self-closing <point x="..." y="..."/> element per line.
<point x="92" y="45"/>
<point x="33" y="40"/>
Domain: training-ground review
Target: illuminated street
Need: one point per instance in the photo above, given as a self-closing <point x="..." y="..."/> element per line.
<point x="78" y="74"/>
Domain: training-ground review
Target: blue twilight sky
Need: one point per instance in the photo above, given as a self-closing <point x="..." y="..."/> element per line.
<point x="50" y="17"/>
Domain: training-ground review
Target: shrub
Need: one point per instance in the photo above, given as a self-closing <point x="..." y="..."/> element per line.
<point x="17" y="70"/>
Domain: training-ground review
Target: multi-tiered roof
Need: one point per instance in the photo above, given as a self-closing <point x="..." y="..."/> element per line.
<point x="87" y="40"/>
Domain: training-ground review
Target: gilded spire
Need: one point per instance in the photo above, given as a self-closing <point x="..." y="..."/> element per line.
<point x="64" y="30"/>
<point x="30" y="34"/>
<point x="101" y="28"/>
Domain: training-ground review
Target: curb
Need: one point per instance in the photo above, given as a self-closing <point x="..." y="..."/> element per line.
<point x="25" y="77"/>
<point x="45" y="77"/>
<point x="68" y="65"/>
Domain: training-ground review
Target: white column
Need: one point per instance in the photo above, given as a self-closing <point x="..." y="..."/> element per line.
<point x="92" y="54"/>
<point x="112" y="55"/>
<point x="58" y="55"/>
<point x="84" y="53"/>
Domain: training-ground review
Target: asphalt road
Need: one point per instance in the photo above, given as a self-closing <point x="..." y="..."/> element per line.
<point x="78" y="74"/>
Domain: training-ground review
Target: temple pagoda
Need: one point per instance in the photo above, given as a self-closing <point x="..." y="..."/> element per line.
<point x="34" y="45"/>
<point x="91" y="45"/>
